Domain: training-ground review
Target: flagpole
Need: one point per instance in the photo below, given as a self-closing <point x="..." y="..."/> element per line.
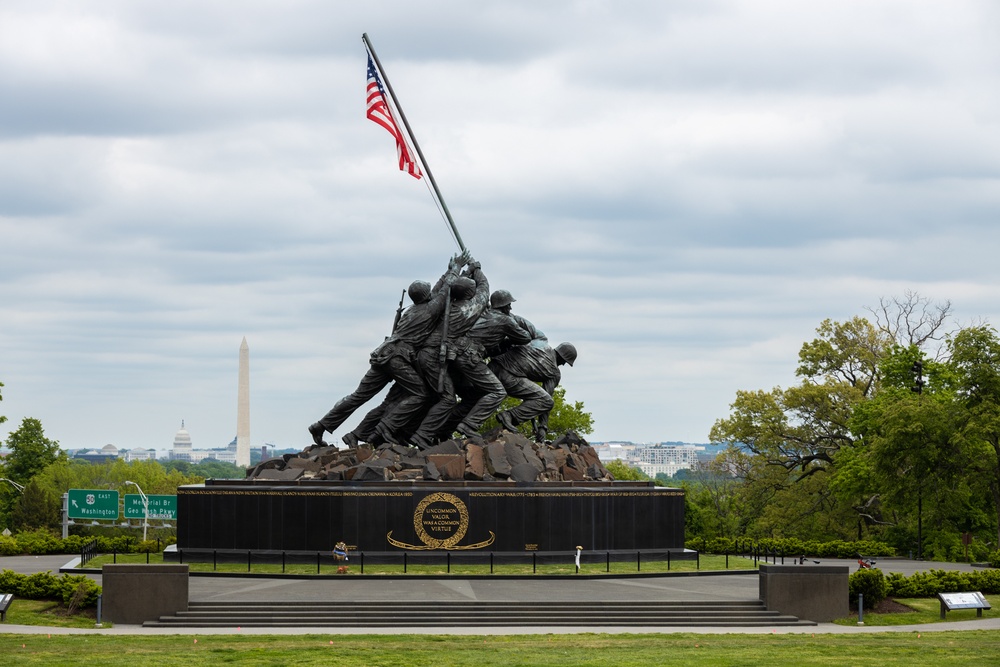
<point x="416" y="146"/>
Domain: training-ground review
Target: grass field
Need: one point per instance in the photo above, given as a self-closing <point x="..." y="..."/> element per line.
<point x="48" y="612"/>
<point x="457" y="568"/>
<point x="944" y="648"/>
<point x="925" y="610"/>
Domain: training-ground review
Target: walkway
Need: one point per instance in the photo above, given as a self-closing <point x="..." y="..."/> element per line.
<point x="666" y="587"/>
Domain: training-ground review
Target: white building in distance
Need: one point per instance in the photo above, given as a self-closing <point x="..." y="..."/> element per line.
<point x="667" y="459"/>
<point x="184" y="451"/>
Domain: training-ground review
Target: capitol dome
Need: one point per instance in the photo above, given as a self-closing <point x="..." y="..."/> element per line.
<point x="182" y="440"/>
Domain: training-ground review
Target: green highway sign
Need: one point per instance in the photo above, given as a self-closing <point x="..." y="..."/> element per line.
<point x="92" y="504"/>
<point x="160" y="507"/>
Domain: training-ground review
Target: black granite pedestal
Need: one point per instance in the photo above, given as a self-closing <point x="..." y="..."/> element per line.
<point x="312" y="516"/>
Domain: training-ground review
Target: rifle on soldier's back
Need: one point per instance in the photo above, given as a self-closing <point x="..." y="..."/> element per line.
<point x="399" y="312"/>
<point x="443" y="350"/>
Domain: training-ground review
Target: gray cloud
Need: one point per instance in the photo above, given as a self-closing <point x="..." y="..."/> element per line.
<point x="684" y="190"/>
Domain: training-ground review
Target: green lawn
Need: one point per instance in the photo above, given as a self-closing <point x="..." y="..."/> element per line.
<point x="925" y="610"/>
<point x="48" y="612"/>
<point x="944" y="648"/>
<point x="457" y="568"/>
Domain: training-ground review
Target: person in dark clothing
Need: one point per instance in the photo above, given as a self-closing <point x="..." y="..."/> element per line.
<point x="520" y="369"/>
<point x="393" y="360"/>
<point x="460" y="356"/>
<point x="496" y="330"/>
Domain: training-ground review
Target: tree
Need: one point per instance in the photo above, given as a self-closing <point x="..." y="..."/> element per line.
<point x="31" y="451"/>
<point x="564" y="416"/>
<point x="797" y="451"/>
<point x="907" y="464"/>
<point x="624" y="472"/>
<point x="911" y="320"/>
<point x="975" y="359"/>
<point x="2" y="418"/>
<point x="36" y="508"/>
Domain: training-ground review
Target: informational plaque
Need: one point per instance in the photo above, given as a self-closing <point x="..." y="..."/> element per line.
<point x="970" y="600"/>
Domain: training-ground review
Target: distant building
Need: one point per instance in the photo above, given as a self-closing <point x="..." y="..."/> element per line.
<point x="184" y="451"/>
<point x="181" y="450"/>
<point x="102" y="455"/>
<point x="137" y="454"/>
<point x="667" y="459"/>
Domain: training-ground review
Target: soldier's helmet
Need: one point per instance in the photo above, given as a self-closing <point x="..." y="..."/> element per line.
<point x="501" y="298"/>
<point x="463" y="288"/>
<point x="419" y="291"/>
<point x="567" y="351"/>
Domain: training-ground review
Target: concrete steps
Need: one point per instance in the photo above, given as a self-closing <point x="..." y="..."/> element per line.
<point x="741" y="613"/>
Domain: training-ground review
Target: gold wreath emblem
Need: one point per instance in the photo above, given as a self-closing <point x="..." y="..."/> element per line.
<point x="451" y="542"/>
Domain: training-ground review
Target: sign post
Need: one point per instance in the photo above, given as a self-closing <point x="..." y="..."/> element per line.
<point x="92" y="504"/>
<point x="160" y="507"/>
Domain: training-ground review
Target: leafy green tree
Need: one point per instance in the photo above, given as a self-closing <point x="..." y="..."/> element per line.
<point x="2" y="418"/>
<point x="624" y="472"/>
<point x="564" y="416"/>
<point x="206" y="468"/>
<point x="789" y="445"/>
<point x="713" y="500"/>
<point x="35" y="508"/>
<point x="975" y="359"/>
<point x="151" y="476"/>
<point x="31" y="451"/>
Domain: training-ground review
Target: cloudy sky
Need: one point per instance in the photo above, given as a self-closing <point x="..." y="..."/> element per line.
<point x="684" y="189"/>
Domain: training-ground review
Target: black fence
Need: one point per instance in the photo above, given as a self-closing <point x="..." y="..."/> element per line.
<point x="449" y="559"/>
<point x="90" y="551"/>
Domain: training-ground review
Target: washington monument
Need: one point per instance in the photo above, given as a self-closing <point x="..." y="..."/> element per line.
<point x="243" y="408"/>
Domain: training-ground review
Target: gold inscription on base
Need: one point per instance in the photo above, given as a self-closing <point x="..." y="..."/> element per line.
<point x="441" y="521"/>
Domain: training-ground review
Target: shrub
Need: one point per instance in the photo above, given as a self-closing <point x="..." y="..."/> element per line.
<point x="10" y="581"/>
<point x="79" y="591"/>
<point x="38" y="542"/>
<point x="870" y="583"/>
<point x="791" y="546"/>
<point x="930" y="583"/>
<point x="40" y="586"/>
<point x="9" y="546"/>
<point x="67" y="589"/>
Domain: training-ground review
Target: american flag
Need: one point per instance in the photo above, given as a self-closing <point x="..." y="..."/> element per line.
<point x="379" y="112"/>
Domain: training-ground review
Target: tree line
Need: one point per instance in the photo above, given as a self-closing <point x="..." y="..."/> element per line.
<point x="45" y="472"/>
<point x="892" y="433"/>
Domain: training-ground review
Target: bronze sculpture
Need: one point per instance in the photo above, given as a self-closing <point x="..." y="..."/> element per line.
<point x="452" y="358"/>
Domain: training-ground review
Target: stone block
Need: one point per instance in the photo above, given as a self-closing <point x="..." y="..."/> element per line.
<point x="596" y="471"/>
<point x="576" y="461"/>
<point x="287" y="475"/>
<point x="496" y="460"/>
<point x="312" y="465"/>
<point x="531" y="457"/>
<point x="475" y="462"/>
<point x="450" y="466"/>
<point x="412" y="462"/>
<point x="589" y="455"/>
<point x="812" y="592"/>
<point x="446" y="447"/>
<point x="134" y="594"/>
<point x="524" y="472"/>
<point x="571" y="474"/>
<point x="515" y="456"/>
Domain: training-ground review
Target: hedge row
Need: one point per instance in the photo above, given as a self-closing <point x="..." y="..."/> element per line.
<point x="40" y="543"/>
<point x="71" y="589"/>
<point x="791" y="546"/>
<point x="929" y="584"/>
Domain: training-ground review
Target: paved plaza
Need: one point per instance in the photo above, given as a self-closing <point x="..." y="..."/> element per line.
<point x="677" y="587"/>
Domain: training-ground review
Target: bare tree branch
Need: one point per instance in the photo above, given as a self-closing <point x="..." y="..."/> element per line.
<point x="912" y="319"/>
